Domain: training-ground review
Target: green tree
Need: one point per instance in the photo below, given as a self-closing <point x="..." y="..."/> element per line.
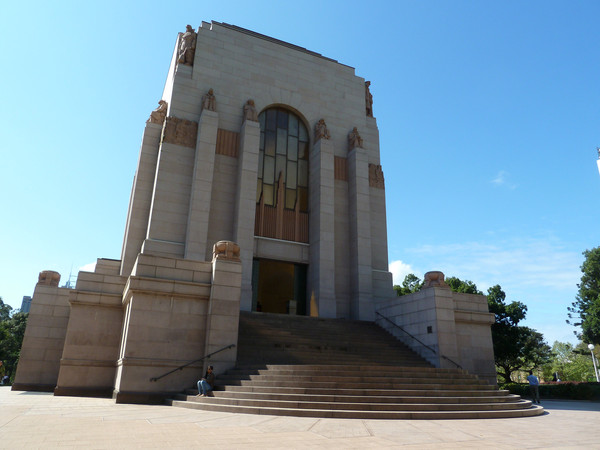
<point x="571" y="363"/>
<point x="466" y="287"/>
<point x="411" y="283"/>
<point x="515" y="347"/>
<point x="12" y="330"/>
<point x="585" y="310"/>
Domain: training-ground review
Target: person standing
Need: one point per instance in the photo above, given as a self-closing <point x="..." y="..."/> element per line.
<point x="206" y="384"/>
<point x="534" y="387"/>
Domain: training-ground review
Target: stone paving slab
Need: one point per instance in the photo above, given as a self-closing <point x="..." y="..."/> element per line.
<point x="40" y="420"/>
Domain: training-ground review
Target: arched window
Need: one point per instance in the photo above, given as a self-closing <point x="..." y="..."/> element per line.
<point x="282" y="187"/>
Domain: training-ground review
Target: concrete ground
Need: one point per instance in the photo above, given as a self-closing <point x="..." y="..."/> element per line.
<point x="40" y="420"/>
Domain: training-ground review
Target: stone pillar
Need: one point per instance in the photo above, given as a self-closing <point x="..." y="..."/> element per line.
<point x="141" y="197"/>
<point x="361" y="302"/>
<point x="223" y="316"/>
<point x="321" y="277"/>
<point x="196" y="244"/>
<point x="44" y="338"/>
<point x="245" y="204"/>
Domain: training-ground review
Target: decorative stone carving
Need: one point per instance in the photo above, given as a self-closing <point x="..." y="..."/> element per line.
<point x="227" y="250"/>
<point x="376" y="176"/>
<point x="159" y="114"/>
<point x="321" y="131"/>
<point x="187" y="46"/>
<point x="434" y="279"/>
<point x="208" y="101"/>
<point x="180" y="132"/>
<point x="49" y="278"/>
<point x="354" y="139"/>
<point x="368" y="99"/>
<point x="250" y="111"/>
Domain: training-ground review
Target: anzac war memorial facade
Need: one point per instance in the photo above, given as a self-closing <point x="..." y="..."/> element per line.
<point x="259" y="195"/>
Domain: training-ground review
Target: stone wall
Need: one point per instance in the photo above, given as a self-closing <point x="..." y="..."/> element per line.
<point x="455" y="327"/>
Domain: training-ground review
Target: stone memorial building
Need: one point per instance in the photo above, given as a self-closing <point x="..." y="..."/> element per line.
<point x="259" y="187"/>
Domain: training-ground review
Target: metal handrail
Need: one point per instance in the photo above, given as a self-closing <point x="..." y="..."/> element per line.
<point x="191" y="362"/>
<point x="416" y="339"/>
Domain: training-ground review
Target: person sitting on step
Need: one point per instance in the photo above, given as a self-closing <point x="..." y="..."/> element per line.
<point x="206" y="384"/>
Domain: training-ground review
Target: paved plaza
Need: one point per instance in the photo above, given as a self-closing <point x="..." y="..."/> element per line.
<point x="41" y="420"/>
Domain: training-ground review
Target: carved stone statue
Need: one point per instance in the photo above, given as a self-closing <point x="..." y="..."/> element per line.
<point x="187" y="47"/>
<point x="354" y="139"/>
<point x="159" y="114"/>
<point x="208" y="101"/>
<point x="434" y="279"/>
<point x="250" y="111"/>
<point x="321" y="131"/>
<point x="368" y="99"/>
<point x="226" y="250"/>
<point x="49" y="278"/>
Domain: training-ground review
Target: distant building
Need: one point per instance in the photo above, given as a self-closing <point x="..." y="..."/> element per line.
<point x="26" y="304"/>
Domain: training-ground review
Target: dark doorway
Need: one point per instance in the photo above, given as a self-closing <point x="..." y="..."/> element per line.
<point x="278" y="287"/>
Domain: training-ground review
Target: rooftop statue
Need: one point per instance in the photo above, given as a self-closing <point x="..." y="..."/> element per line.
<point x="354" y="139"/>
<point x="159" y="114"/>
<point x="250" y="111"/>
<point x="208" y="101"/>
<point x="368" y="99"/>
<point x="321" y="130"/>
<point x="187" y="47"/>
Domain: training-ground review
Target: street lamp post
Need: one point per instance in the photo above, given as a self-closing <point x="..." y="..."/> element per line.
<point x="591" y="347"/>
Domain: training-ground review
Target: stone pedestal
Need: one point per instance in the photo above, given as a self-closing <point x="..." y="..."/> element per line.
<point x="44" y="338"/>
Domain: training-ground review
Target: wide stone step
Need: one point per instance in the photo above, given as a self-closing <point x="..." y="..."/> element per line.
<point x="358" y="385"/>
<point x="324" y="398"/>
<point x="360" y="414"/>
<point x="349" y="376"/>
<point x="351" y="380"/>
<point x="288" y="403"/>
<point x="363" y="392"/>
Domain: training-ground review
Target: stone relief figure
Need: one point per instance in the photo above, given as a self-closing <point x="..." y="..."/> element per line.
<point x="250" y="111"/>
<point x="159" y="114"/>
<point x="208" y="101"/>
<point x="321" y="131"/>
<point x="376" y="179"/>
<point x="368" y="99"/>
<point x="180" y="131"/>
<point x="354" y="139"/>
<point x="187" y="47"/>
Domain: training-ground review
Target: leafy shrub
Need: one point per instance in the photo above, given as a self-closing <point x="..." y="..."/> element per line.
<point x="569" y="390"/>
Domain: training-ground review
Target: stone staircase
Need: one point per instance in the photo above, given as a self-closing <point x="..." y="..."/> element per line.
<point x="312" y="367"/>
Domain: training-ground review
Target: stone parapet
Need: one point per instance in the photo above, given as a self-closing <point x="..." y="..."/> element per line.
<point x="455" y="326"/>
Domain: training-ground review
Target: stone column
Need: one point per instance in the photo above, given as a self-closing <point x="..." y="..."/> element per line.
<point x="321" y="279"/>
<point x="141" y="197"/>
<point x="224" y="306"/>
<point x="245" y="204"/>
<point x="196" y="244"/>
<point x="361" y="302"/>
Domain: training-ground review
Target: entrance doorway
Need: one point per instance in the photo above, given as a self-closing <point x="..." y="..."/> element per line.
<point x="278" y="287"/>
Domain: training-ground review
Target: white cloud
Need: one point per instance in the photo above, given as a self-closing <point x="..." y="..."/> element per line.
<point x="503" y="179"/>
<point x="399" y="270"/>
<point x="88" y="267"/>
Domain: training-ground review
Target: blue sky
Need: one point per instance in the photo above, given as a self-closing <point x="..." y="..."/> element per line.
<point x="489" y="119"/>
